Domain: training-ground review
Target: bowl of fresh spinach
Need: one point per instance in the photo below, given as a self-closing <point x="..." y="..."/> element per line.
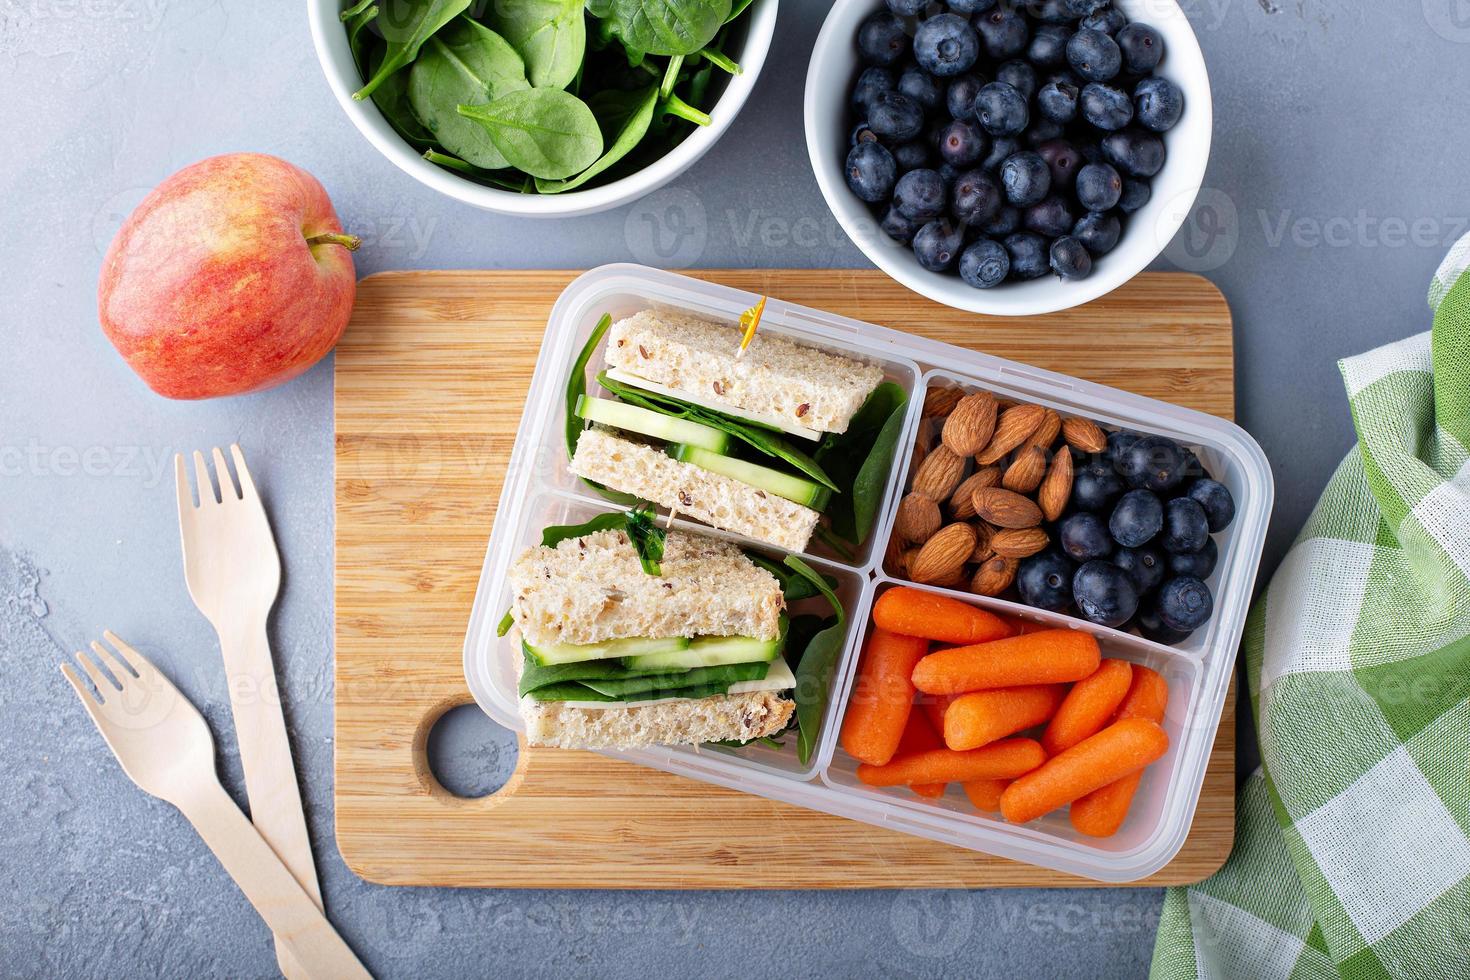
<point x="542" y="107"/>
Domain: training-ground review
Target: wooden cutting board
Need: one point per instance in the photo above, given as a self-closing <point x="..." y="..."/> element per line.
<point x="431" y="380"/>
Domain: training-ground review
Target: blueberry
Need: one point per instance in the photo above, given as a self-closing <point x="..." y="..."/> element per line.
<point x="1104" y="594"/>
<point x="1044" y="131"/>
<point x="1217" y="502"/>
<point x="985" y="263"/>
<point x="920" y="86"/>
<point x="1019" y="76"/>
<point x="961" y="143"/>
<point x="882" y="39"/>
<point x="1098" y="232"/>
<point x="911" y="156"/>
<point x="1029" y="259"/>
<point x="871" y="172"/>
<point x="959" y="98"/>
<point x="895" y="117"/>
<point x="946" y="45"/>
<point x="1045" y="581"/>
<point x="1185" y="603"/>
<point x="897" y="227"/>
<point x="1109" y="21"/>
<point x="1142" y="48"/>
<point x="1052" y="218"/>
<point x="1063" y="160"/>
<point x="974" y="198"/>
<point x="1057" y="101"/>
<point x="871" y="83"/>
<point x="1084" y="536"/>
<point x="1003" y="32"/>
<point x="1002" y="148"/>
<point x="1186" y="528"/>
<point x="1158" y="103"/>
<point x="937" y="244"/>
<point x="1136" y="194"/>
<point x="1145" y="567"/>
<point x="1098" y="187"/>
<point x="1118" y="443"/>
<point x="1199" y="564"/>
<point x="1049" y="46"/>
<point x="1096" y="487"/>
<point x="968" y="7"/>
<point x="908" y="8"/>
<point x="1106" y="107"/>
<point x="1094" y="56"/>
<point x="1026" y="178"/>
<point x="919" y="195"/>
<point x="1070" y="258"/>
<point x="1001" y="109"/>
<point x="1006" y="221"/>
<point x="1135" y="152"/>
<point x="1152" y="627"/>
<point x="1153" y="463"/>
<point x="1137" y="519"/>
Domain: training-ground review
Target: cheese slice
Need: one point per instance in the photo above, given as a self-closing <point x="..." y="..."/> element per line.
<point x="760" y="418"/>
<point x="778" y="678"/>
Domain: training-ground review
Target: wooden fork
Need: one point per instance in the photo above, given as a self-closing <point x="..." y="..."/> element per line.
<point x="233" y="571"/>
<point x="164" y="745"/>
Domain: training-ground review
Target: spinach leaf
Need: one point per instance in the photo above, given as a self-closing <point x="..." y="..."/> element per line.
<point x="568" y="691"/>
<point x="737" y="8"/>
<point x="814" y="669"/>
<point x="491" y="177"/>
<point x="551" y="36"/>
<point x="557" y="533"/>
<point x="647" y="538"/>
<point x="860" y="459"/>
<point x="362" y="15"/>
<point x="794" y="587"/>
<point x="668" y="27"/>
<point x="356" y="9"/>
<point x="544" y="132"/>
<point x="506" y="622"/>
<point x="391" y="98"/>
<point x="466" y="63"/>
<point x="577" y="382"/>
<point x="799" y="634"/>
<point x="633" y="127"/>
<point x="406" y="25"/>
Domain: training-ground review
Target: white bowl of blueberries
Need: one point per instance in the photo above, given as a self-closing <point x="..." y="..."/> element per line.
<point x="1010" y="157"/>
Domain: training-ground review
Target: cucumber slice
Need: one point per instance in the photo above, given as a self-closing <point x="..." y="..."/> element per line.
<point x="713" y="651"/>
<point x="632" y="648"/>
<point x="631" y="418"/>
<point x="793" y="488"/>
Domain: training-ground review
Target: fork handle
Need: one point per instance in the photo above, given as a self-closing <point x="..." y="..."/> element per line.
<point x="286" y="908"/>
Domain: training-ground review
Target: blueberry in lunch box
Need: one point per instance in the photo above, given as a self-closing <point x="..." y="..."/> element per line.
<point x="1048" y="48"/>
<point x="1153" y="628"/>
<point x="920" y="195"/>
<point x="908" y="8"/>
<point x="961" y="144"/>
<point x="1142" y="47"/>
<point x="912" y="155"/>
<point x="974" y="198"/>
<point x="1070" y="258"/>
<point x="1185" y="603"/>
<point x="872" y="83"/>
<point x="937" y="245"/>
<point x="895" y="117"/>
<point x="1094" y="56"/>
<point x="1063" y="160"/>
<point x="1096" y="487"/>
<point x="1153" y="462"/>
<point x="959" y="97"/>
<point x="946" y="45"/>
<point x="921" y="86"/>
<point x="1007" y="221"/>
<point x="1001" y="110"/>
<point x="1099" y="187"/>
<point x="1084" y="536"/>
<point x="1185" y="527"/>
<point x="1135" y="152"/>
<point x="1218" y="504"/>
<point x="871" y="172"/>
<point x="882" y="38"/>
<point x="1029" y="256"/>
<point x="1158" y="103"/>
<point x="1002" y="148"/>
<point x="1026" y="178"/>
<point x="1106" y="107"/>
<point x="1104" y="594"/>
<point x="1045" y="581"/>
<point x="1057" y="101"/>
<point x="1019" y="76"/>
<point x="1146" y="567"/>
<point x="1137" y="519"/>
<point x="1198" y="564"/>
<point x="1098" y="232"/>
<point x="1109" y="21"/>
<point x="984" y="263"/>
<point x="1118" y="443"/>
<point x="1051" y="218"/>
<point x="1004" y="32"/>
<point x="897" y="227"/>
<point x="1136" y="194"/>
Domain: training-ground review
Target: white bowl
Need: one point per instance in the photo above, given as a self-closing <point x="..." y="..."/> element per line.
<point x="330" y="38"/>
<point x="834" y="67"/>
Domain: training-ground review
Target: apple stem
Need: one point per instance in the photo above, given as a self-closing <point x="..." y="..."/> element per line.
<point x="349" y="242"/>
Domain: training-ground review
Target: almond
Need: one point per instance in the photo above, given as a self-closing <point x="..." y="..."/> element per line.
<point x="939" y="473"/>
<point x="962" y="502"/>
<point x="944" y="553"/>
<point x="1084" y="435"/>
<point x="994" y="576"/>
<point x="983" y="533"/>
<point x="1016" y="425"/>
<point x="970" y="426"/>
<point x="1046" y="433"/>
<point x="1006" y="508"/>
<point x="918" y="518"/>
<point x="1019" y="542"/>
<point x="1026" y="471"/>
<point x="1056" y="489"/>
<point x="939" y="402"/>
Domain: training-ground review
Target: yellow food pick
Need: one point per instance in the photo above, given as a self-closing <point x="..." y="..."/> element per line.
<point x="751" y="321"/>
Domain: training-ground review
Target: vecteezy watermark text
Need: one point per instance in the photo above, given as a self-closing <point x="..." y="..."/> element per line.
<point x="35" y="459"/>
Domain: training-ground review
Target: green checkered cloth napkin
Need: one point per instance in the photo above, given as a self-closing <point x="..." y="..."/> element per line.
<point x="1352" y="847"/>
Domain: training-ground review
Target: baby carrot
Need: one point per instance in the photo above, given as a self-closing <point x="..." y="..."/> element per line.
<point x="1101" y="812"/>
<point x="935" y="617"/>
<point x="883" y="696"/>
<point x="980" y="718"/>
<point x="920" y="736"/>
<point x="935" y="705"/>
<point x="1051" y="657"/>
<point x="1123" y="747"/>
<point x="1088" y="706"/>
<point x="999" y="760"/>
<point x="984" y="794"/>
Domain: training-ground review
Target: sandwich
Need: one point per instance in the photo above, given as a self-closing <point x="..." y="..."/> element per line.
<point x="761" y="442"/>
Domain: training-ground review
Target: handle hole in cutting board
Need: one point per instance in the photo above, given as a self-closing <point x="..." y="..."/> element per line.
<point x="468" y="755"/>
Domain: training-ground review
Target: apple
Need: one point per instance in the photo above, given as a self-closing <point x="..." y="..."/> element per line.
<point x="231" y="276"/>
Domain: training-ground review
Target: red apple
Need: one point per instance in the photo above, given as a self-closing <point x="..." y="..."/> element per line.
<point x="232" y="276"/>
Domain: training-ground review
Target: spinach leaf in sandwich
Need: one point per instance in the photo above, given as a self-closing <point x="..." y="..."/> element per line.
<point x="793" y="586"/>
<point x="576" y="388"/>
<point x="860" y="459"/>
<point x="647" y="538"/>
<point x="814" y="668"/>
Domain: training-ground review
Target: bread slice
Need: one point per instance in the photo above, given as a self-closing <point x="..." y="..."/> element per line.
<point x="593" y="588"/>
<point x="717" y="500"/>
<point x="713" y="719"/>
<point x="775" y="377"/>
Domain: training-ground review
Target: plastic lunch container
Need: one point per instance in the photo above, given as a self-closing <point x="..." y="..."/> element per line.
<point x="539" y="491"/>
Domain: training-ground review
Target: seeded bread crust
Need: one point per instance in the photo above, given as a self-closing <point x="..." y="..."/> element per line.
<point x="724" y="716"/>
<point x="593" y="588"/>
<point x="804" y="385"/>
<point x="717" y="500"/>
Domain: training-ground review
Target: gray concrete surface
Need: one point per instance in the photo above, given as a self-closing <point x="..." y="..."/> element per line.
<point x="1336" y="184"/>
